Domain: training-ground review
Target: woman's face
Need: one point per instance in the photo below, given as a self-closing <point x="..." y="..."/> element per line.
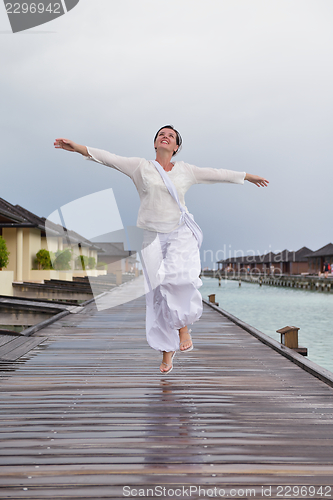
<point x="167" y="140"/>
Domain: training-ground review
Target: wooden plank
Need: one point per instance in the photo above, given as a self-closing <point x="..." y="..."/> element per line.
<point x="91" y="413"/>
<point x="9" y="346"/>
<point x="4" y="339"/>
<point x="18" y="347"/>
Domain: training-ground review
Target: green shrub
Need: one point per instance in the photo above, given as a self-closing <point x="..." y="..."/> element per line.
<point x="4" y="254"/>
<point x="84" y="262"/>
<point x="43" y="259"/>
<point x="62" y="260"/>
<point x="91" y="262"/>
<point x="81" y="262"/>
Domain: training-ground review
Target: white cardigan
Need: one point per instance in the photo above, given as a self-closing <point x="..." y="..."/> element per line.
<point x="158" y="210"/>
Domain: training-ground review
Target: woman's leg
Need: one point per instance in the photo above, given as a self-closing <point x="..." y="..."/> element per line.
<point x="172" y="268"/>
<point x="166" y="364"/>
<point x="179" y="288"/>
<point x="161" y="334"/>
<point x="185" y="340"/>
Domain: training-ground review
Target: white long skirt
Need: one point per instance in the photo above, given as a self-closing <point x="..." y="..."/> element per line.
<point x="171" y="263"/>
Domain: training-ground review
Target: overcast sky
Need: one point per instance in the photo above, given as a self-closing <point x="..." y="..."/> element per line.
<point x="248" y="83"/>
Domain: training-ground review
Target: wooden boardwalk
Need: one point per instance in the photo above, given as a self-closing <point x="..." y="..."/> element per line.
<point x="87" y="413"/>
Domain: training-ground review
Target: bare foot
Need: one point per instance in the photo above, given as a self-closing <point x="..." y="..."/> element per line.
<point x="166" y="365"/>
<point x="185" y="341"/>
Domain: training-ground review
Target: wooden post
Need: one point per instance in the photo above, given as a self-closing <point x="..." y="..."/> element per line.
<point x="289" y="338"/>
<point x="211" y="298"/>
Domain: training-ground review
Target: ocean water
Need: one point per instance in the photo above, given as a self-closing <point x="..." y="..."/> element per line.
<point x="269" y="308"/>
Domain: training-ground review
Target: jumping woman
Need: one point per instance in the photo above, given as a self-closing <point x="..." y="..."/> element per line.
<point x="170" y="253"/>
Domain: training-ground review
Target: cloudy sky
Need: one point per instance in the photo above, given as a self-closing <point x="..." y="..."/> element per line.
<point x="248" y="83"/>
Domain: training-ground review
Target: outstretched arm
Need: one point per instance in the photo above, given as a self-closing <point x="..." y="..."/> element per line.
<point x="125" y="165"/>
<point x="212" y="175"/>
<point x="255" y="179"/>
<point x="69" y="145"/>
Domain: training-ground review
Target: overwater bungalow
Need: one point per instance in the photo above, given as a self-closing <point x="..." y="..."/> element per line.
<point x="316" y="259"/>
<point x="247" y="263"/>
<point x="285" y="262"/>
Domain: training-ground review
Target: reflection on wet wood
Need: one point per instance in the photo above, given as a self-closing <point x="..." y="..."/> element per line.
<point x="87" y="412"/>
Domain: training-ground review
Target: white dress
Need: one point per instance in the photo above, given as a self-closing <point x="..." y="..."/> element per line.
<point x="170" y="254"/>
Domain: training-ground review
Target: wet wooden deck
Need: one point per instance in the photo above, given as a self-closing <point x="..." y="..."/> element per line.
<point x="87" y="413"/>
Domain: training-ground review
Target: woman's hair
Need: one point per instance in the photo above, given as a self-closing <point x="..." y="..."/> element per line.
<point x="179" y="139"/>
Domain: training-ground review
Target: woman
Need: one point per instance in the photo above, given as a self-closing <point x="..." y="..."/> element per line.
<point x="170" y="251"/>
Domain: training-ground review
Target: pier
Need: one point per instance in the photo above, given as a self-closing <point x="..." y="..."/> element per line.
<point x="304" y="282"/>
<point x="86" y="413"/>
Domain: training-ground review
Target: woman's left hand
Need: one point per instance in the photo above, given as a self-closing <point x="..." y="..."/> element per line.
<point x="258" y="181"/>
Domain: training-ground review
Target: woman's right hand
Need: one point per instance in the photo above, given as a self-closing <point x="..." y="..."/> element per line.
<point x="69" y="145"/>
<point x="66" y="144"/>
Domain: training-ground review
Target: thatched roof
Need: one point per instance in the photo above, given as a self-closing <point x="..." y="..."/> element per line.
<point x="326" y="251"/>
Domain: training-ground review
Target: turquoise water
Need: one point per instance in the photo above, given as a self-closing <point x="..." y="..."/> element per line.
<point x="269" y="308"/>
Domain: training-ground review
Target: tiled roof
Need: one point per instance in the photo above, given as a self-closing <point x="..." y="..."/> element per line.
<point x="34" y="219"/>
<point x="113" y="250"/>
<point x="8" y="211"/>
<point x="16" y="214"/>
